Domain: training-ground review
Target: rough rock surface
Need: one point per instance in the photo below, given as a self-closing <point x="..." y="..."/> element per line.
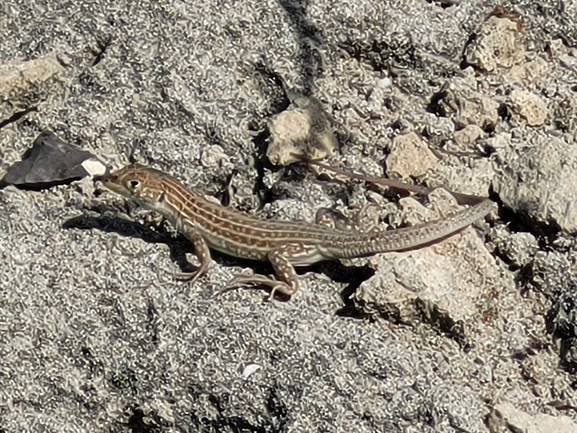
<point x="95" y="333"/>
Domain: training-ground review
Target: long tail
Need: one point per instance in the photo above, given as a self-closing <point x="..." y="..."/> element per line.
<point x="412" y="237"/>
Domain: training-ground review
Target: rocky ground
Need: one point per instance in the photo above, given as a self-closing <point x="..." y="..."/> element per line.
<point x="474" y="334"/>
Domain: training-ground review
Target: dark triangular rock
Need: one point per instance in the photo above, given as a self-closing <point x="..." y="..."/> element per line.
<point x="50" y="161"/>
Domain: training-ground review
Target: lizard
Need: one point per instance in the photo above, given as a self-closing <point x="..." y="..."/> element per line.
<point x="284" y="244"/>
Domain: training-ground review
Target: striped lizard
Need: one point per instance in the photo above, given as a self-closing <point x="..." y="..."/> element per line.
<point x="282" y="243"/>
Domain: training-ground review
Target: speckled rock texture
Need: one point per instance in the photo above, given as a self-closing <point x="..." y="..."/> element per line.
<point x="473" y="334"/>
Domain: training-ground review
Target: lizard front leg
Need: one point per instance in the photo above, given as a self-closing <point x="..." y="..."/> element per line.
<point x="202" y="253"/>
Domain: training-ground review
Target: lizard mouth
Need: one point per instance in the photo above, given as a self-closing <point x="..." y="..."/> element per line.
<point x="109" y="178"/>
<point x="110" y="181"/>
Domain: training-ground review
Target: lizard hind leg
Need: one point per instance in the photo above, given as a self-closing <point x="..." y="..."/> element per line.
<point x="286" y="284"/>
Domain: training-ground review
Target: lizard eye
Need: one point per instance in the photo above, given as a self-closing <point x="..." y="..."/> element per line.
<point x="134" y="184"/>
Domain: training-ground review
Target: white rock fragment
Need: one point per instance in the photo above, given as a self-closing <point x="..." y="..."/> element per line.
<point x="409" y="156"/>
<point x="569" y="60"/>
<point x="499" y="43"/>
<point x="94" y="167"/>
<point x="384" y="83"/>
<point x="466" y="137"/>
<point x="23" y="75"/>
<point x="557" y="48"/>
<point x="529" y="72"/>
<point x="26" y="85"/>
<point x="465" y="105"/>
<point x="304" y="129"/>
<point x="250" y="369"/>
<point x="213" y="156"/>
<point x="530" y="106"/>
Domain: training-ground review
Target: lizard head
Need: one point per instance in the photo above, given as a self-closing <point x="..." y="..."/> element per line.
<point x="136" y="182"/>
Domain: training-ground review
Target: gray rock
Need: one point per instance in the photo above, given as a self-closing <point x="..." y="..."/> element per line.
<point x="536" y="178"/>
<point x="24" y="86"/>
<point x="506" y="417"/>
<point x="51" y="161"/>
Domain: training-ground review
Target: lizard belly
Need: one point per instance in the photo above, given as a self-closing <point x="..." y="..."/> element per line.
<point x="236" y="249"/>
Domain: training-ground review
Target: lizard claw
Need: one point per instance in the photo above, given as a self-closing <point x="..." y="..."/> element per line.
<point x="189" y="277"/>
<point x="253" y="281"/>
<point x="186" y="276"/>
<point x="235" y="282"/>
